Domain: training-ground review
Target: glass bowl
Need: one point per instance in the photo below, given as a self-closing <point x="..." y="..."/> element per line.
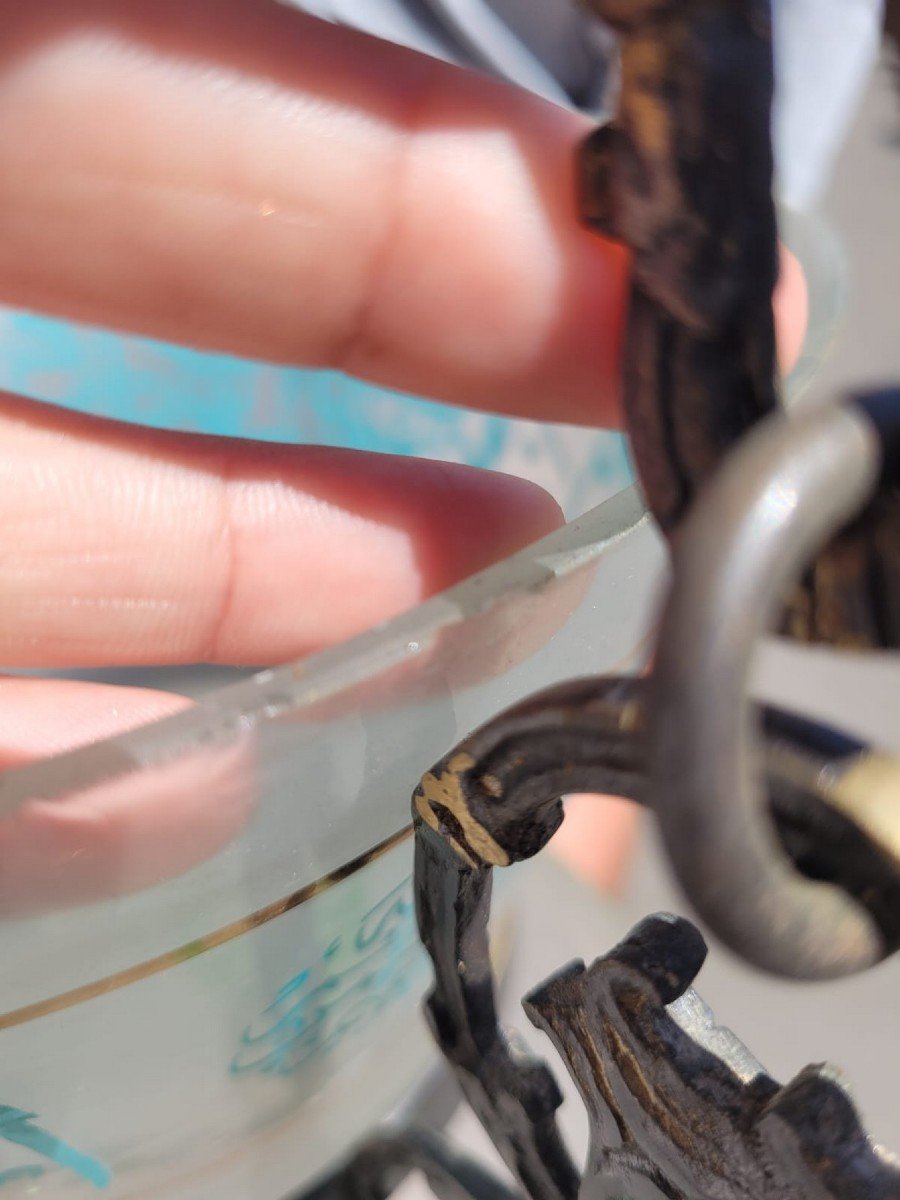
<point x="229" y="1030"/>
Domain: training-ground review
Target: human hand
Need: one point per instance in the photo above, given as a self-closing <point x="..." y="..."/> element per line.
<point x="237" y="176"/>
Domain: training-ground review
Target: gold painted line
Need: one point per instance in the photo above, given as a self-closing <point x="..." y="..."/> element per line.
<point x="173" y="958"/>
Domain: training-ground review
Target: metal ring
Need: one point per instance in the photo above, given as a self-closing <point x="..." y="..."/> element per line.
<point x="764" y="516"/>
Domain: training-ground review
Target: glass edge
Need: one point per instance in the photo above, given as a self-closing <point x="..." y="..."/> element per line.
<point x="233" y="711"/>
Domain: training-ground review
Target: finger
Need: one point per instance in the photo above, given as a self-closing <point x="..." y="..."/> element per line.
<point x="597" y="839"/>
<point x="791" y="306"/>
<point x="113" y="838"/>
<point x="124" y="545"/>
<point x="240" y="176"/>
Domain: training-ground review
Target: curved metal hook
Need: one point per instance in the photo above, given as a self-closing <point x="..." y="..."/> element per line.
<point x="762" y="519"/>
<point x="496" y="798"/>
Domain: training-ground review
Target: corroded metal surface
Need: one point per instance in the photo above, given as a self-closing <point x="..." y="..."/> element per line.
<point x="506" y="782"/>
<point x="806" y="868"/>
<point x="678" y="1107"/>
<point x="786" y="835"/>
<point x="683" y="176"/>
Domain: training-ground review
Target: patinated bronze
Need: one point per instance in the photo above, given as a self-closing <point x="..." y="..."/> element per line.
<point x="678" y="1108"/>
<point x="683" y="176"/>
<point x="784" y="834"/>
<point x="496" y="799"/>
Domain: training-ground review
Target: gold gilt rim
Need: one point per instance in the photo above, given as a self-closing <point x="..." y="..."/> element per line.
<point x="198" y="946"/>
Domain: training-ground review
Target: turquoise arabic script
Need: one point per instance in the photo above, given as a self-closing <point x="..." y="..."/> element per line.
<point x="18" y="1127"/>
<point x="356" y="978"/>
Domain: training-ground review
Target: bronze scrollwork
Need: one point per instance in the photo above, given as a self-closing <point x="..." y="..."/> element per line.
<point x="784" y="834"/>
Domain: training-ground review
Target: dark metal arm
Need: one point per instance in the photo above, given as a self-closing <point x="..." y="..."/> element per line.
<point x="678" y="1108"/>
<point x="683" y="176"/>
<point x="381" y="1164"/>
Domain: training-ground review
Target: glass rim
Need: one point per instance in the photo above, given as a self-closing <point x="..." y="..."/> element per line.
<point x="225" y="713"/>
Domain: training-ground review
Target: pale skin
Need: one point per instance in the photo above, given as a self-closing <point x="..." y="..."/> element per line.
<point x="237" y="176"/>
